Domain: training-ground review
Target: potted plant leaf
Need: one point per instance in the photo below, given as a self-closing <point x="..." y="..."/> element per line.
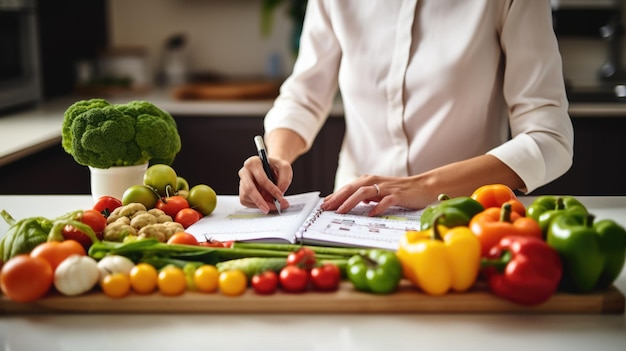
<point x="295" y="11"/>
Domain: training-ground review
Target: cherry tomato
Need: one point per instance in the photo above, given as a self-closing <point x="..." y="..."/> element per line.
<point x="171" y="205"/>
<point x="56" y="251"/>
<point x="293" y="279"/>
<point x="326" y="277"/>
<point x="233" y="283"/>
<point x="24" y="278"/>
<point x="265" y="283"/>
<point x="116" y="285"/>
<point x="106" y="204"/>
<point x="206" y="278"/>
<point x="183" y="238"/>
<point x="92" y="218"/>
<point x="213" y="243"/>
<point x="187" y="217"/>
<point x="143" y="278"/>
<point x="95" y="220"/>
<point x="171" y="281"/>
<point x="303" y="258"/>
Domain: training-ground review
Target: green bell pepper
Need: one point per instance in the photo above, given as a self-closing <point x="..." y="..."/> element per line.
<point x="457" y="211"/>
<point x="592" y="252"/>
<point x="379" y="271"/>
<point x="545" y="208"/>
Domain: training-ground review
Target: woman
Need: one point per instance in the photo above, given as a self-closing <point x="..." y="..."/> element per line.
<point x="440" y="96"/>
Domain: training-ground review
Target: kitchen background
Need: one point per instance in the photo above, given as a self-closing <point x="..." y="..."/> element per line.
<point x="224" y="37"/>
<point x="202" y="38"/>
<point x="145" y="49"/>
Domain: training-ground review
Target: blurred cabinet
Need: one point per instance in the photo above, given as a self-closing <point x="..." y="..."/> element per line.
<point x="215" y="148"/>
<point x="69" y="31"/>
<point x="50" y="171"/>
<point x="213" y="151"/>
<point x="598" y="168"/>
<point x="595" y="20"/>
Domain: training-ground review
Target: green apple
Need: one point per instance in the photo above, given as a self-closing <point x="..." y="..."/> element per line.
<point x="202" y="198"/>
<point x="161" y="178"/>
<point x="181" y="184"/>
<point x="140" y="194"/>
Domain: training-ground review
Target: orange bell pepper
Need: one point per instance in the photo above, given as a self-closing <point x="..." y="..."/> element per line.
<point x="496" y="195"/>
<point x="494" y="223"/>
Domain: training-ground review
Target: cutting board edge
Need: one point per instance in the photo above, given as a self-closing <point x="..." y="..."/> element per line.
<point x="346" y="300"/>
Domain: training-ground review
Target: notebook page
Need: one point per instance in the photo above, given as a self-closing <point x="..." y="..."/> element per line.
<point x="233" y="221"/>
<point x="356" y="228"/>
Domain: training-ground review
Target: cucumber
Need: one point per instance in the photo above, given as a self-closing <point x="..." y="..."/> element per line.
<point x="253" y="265"/>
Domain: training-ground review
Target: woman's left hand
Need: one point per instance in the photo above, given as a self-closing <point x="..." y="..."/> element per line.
<point x="418" y="191"/>
<point x="386" y="191"/>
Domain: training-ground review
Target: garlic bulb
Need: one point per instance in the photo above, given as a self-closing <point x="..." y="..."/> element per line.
<point x="76" y="275"/>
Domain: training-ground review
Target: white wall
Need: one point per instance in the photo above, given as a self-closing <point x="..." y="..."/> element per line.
<point x="223" y="36"/>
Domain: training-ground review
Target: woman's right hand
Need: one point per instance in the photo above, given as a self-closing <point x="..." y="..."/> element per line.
<point x="256" y="190"/>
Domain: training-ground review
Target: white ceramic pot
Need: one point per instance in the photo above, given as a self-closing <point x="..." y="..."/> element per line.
<point x="115" y="180"/>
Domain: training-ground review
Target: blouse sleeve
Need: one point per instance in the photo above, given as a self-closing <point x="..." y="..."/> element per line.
<point x="306" y="96"/>
<point x="541" y="148"/>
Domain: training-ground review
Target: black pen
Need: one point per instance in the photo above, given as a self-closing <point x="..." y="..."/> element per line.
<point x="260" y="146"/>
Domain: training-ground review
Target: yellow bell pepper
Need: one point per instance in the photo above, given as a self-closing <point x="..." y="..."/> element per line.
<point x="439" y="259"/>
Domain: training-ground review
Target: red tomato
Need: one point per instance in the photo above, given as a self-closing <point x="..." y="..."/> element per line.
<point x="56" y="251"/>
<point x="171" y="205"/>
<point x="216" y="243"/>
<point x="265" y="283"/>
<point x="293" y="279"/>
<point x="24" y="278"/>
<point x="187" y="217"/>
<point x="326" y="277"/>
<point x="71" y="233"/>
<point x="95" y="220"/>
<point x="183" y="238"/>
<point x="212" y="243"/>
<point x="303" y="258"/>
<point x="92" y="218"/>
<point x="106" y="205"/>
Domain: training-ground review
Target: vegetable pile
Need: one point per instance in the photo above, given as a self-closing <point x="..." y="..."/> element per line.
<point x="523" y="255"/>
<point x="159" y="208"/>
<point x="102" y="135"/>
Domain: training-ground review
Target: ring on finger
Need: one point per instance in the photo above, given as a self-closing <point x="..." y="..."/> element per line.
<point x="377" y="189"/>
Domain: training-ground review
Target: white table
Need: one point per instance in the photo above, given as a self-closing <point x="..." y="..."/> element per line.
<point x="307" y="331"/>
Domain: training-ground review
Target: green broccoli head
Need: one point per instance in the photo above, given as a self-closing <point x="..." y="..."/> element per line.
<point x="71" y="113"/>
<point x="102" y="135"/>
<point x="156" y="132"/>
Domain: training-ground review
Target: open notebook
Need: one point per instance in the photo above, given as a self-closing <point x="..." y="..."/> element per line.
<point x="304" y="222"/>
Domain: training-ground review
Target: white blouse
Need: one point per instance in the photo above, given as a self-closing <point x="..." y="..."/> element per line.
<point x="430" y="82"/>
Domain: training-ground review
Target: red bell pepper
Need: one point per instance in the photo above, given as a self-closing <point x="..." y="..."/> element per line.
<point x="523" y="269"/>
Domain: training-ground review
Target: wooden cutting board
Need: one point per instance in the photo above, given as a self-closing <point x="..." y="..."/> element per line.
<point x="345" y="300"/>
